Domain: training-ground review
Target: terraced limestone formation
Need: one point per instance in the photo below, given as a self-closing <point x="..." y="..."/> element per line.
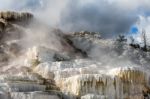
<point x="80" y="65"/>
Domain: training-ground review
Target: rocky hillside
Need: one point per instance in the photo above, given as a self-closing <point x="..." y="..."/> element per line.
<point x="38" y="62"/>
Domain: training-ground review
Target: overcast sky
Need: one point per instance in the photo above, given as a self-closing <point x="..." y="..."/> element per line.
<point x="110" y="17"/>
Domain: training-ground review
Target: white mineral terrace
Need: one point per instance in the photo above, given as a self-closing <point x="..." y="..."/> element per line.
<point x="76" y="79"/>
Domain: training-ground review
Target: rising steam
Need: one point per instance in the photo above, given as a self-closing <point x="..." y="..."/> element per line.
<point x="106" y="16"/>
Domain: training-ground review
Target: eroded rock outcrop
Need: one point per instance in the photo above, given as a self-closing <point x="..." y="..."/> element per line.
<point x="11" y="16"/>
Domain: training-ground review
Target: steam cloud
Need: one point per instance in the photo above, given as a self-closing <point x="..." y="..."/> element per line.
<point x="110" y="17"/>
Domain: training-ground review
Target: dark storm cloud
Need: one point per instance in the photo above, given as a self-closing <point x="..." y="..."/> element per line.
<point x="99" y="15"/>
<point x="110" y="17"/>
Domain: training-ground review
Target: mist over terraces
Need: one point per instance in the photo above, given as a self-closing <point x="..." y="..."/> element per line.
<point x="41" y="62"/>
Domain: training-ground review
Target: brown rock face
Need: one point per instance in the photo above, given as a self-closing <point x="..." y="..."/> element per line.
<point x="15" y="16"/>
<point x="2" y="26"/>
<point x="8" y="19"/>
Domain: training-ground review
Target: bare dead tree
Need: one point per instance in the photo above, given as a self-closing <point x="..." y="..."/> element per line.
<point x="144" y="39"/>
<point x="132" y="40"/>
